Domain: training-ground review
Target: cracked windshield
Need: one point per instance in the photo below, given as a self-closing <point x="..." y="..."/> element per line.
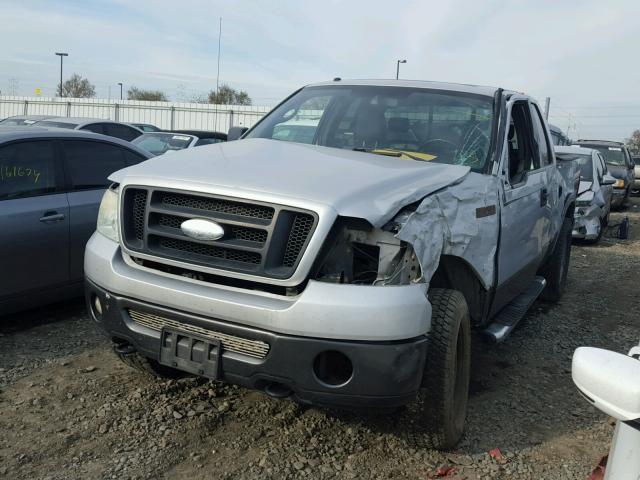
<point x="418" y="124"/>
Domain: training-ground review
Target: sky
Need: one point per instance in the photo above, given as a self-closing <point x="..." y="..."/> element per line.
<point x="581" y="54"/>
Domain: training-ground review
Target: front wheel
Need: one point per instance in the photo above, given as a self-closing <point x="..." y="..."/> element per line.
<point x="441" y="406"/>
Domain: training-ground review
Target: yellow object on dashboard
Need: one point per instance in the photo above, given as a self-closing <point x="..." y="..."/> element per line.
<point x="405" y="153"/>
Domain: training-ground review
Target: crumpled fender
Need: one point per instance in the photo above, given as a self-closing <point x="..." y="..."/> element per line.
<point x="461" y="220"/>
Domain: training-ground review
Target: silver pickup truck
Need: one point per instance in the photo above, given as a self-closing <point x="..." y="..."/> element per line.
<point x="342" y="250"/>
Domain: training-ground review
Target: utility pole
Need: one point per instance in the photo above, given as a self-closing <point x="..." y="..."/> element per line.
<point x="219" y="43"/>
<point x="547" y="103"/>
<point x="120" y="83"/>
<point x="61" y="55"/>
<point x="398" y="62"/>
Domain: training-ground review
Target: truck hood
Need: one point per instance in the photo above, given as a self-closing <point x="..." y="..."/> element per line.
<point x="355" y="184"/>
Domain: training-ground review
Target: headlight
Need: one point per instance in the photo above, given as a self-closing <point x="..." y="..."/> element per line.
<point x="108" y="215"/>
<point x="619" y="183"/>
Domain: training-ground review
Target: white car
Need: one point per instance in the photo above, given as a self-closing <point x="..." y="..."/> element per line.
<point x="611" y="382"/>
<point x="593" y="204"/>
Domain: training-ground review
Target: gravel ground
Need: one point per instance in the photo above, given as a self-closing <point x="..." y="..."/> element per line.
<point x="69" y="409"/>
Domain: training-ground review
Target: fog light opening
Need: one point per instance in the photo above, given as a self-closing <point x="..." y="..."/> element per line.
<point x="333" y="368"/>
<point x="96" y="306"/>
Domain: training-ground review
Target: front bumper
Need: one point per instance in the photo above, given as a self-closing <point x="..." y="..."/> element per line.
<point x="384" y="374"/>
<point x="322" y="310"/>
<point x="382" y="330"/>
<point x="587" y="223"/>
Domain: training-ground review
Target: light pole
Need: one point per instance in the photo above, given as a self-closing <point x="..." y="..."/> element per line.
<point x="120" y="83"/>
<point x="398" y="67"/>
<point x="61" y="54"/>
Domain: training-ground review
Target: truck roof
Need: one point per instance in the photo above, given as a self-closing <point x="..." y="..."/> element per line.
<point x="456" y="87"/>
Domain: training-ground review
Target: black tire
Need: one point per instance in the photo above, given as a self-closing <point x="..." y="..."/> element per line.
<point x="557" y="266"/>
<point x="148" y="366"/>
<point x="441" y="406"/>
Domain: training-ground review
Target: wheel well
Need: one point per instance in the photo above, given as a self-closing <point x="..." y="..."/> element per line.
<point x="455" y="273"/>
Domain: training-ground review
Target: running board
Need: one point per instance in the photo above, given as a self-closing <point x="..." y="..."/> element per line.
<point x="510" y="315"/>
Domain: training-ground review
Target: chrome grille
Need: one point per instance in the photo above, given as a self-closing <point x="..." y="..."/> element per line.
<point x="231" y="343"/>
<point x="259" y="239"/>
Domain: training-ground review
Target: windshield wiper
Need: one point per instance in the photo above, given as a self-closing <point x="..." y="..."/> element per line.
<point x="392" y="152"/>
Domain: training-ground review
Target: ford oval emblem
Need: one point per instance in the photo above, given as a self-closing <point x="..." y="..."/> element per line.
<point x="201" y="229"/>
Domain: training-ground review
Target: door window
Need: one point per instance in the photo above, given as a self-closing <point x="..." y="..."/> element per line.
<point x="27" y="169"/>
<point x="520" y="144"/>
<point x="90" y="163"/>
<point x="540" y="137"/>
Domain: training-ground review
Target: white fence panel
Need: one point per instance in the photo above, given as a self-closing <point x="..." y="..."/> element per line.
<point x="166" y="115"/>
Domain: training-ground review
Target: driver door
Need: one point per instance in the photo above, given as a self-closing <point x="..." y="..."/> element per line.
<point x="525" y="219"/>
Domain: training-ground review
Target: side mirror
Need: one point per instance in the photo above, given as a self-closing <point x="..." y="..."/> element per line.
<point x="609" y="380"/>
<point x="608" y="179"/>
<point x="235" y="133"/>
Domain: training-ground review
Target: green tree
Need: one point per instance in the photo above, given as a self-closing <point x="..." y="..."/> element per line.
<point x="77" y="87"/>
<point x="229" y="96"/>
<point x="135" y="93"/>
<point x="633" y="142"/>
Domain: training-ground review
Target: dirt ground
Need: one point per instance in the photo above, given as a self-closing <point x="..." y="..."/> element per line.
<point x="69" y="409"/>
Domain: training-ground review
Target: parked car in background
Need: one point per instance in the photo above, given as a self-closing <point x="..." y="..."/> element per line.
<point x="23" y="120"/>
<point x="636" y="168"/>
<point x="595" y="190"/>
<point x="158" y="143"/>
<point x="618" y="159"/>
<point x="205" y="137"/>
<point x="95" y="125"/>
<point x="610" y="381"/>
<point x="145" y="127"/>
<point x="347" y="268"/>
<point x="51" y="183"/>
<point x="558" y="137"/>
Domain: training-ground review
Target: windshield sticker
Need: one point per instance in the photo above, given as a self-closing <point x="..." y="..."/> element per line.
<point x="615" y="149"/>
<point x="180" y="137"/>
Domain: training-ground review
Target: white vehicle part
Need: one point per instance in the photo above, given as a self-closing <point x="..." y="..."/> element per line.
<point x="610" y="380"/>
<point x="624" y="455"/>
<point x="460" y="220"/>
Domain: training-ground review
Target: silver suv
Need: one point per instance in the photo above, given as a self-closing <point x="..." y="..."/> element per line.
<point x="342" y="250"/>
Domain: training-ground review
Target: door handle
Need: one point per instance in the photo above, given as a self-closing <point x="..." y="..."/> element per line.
<point x="544" y="197"/>
<point x="52" y="217"/>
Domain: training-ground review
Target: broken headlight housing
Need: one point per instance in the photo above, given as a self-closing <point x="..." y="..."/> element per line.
<point x="357" y="253"/>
